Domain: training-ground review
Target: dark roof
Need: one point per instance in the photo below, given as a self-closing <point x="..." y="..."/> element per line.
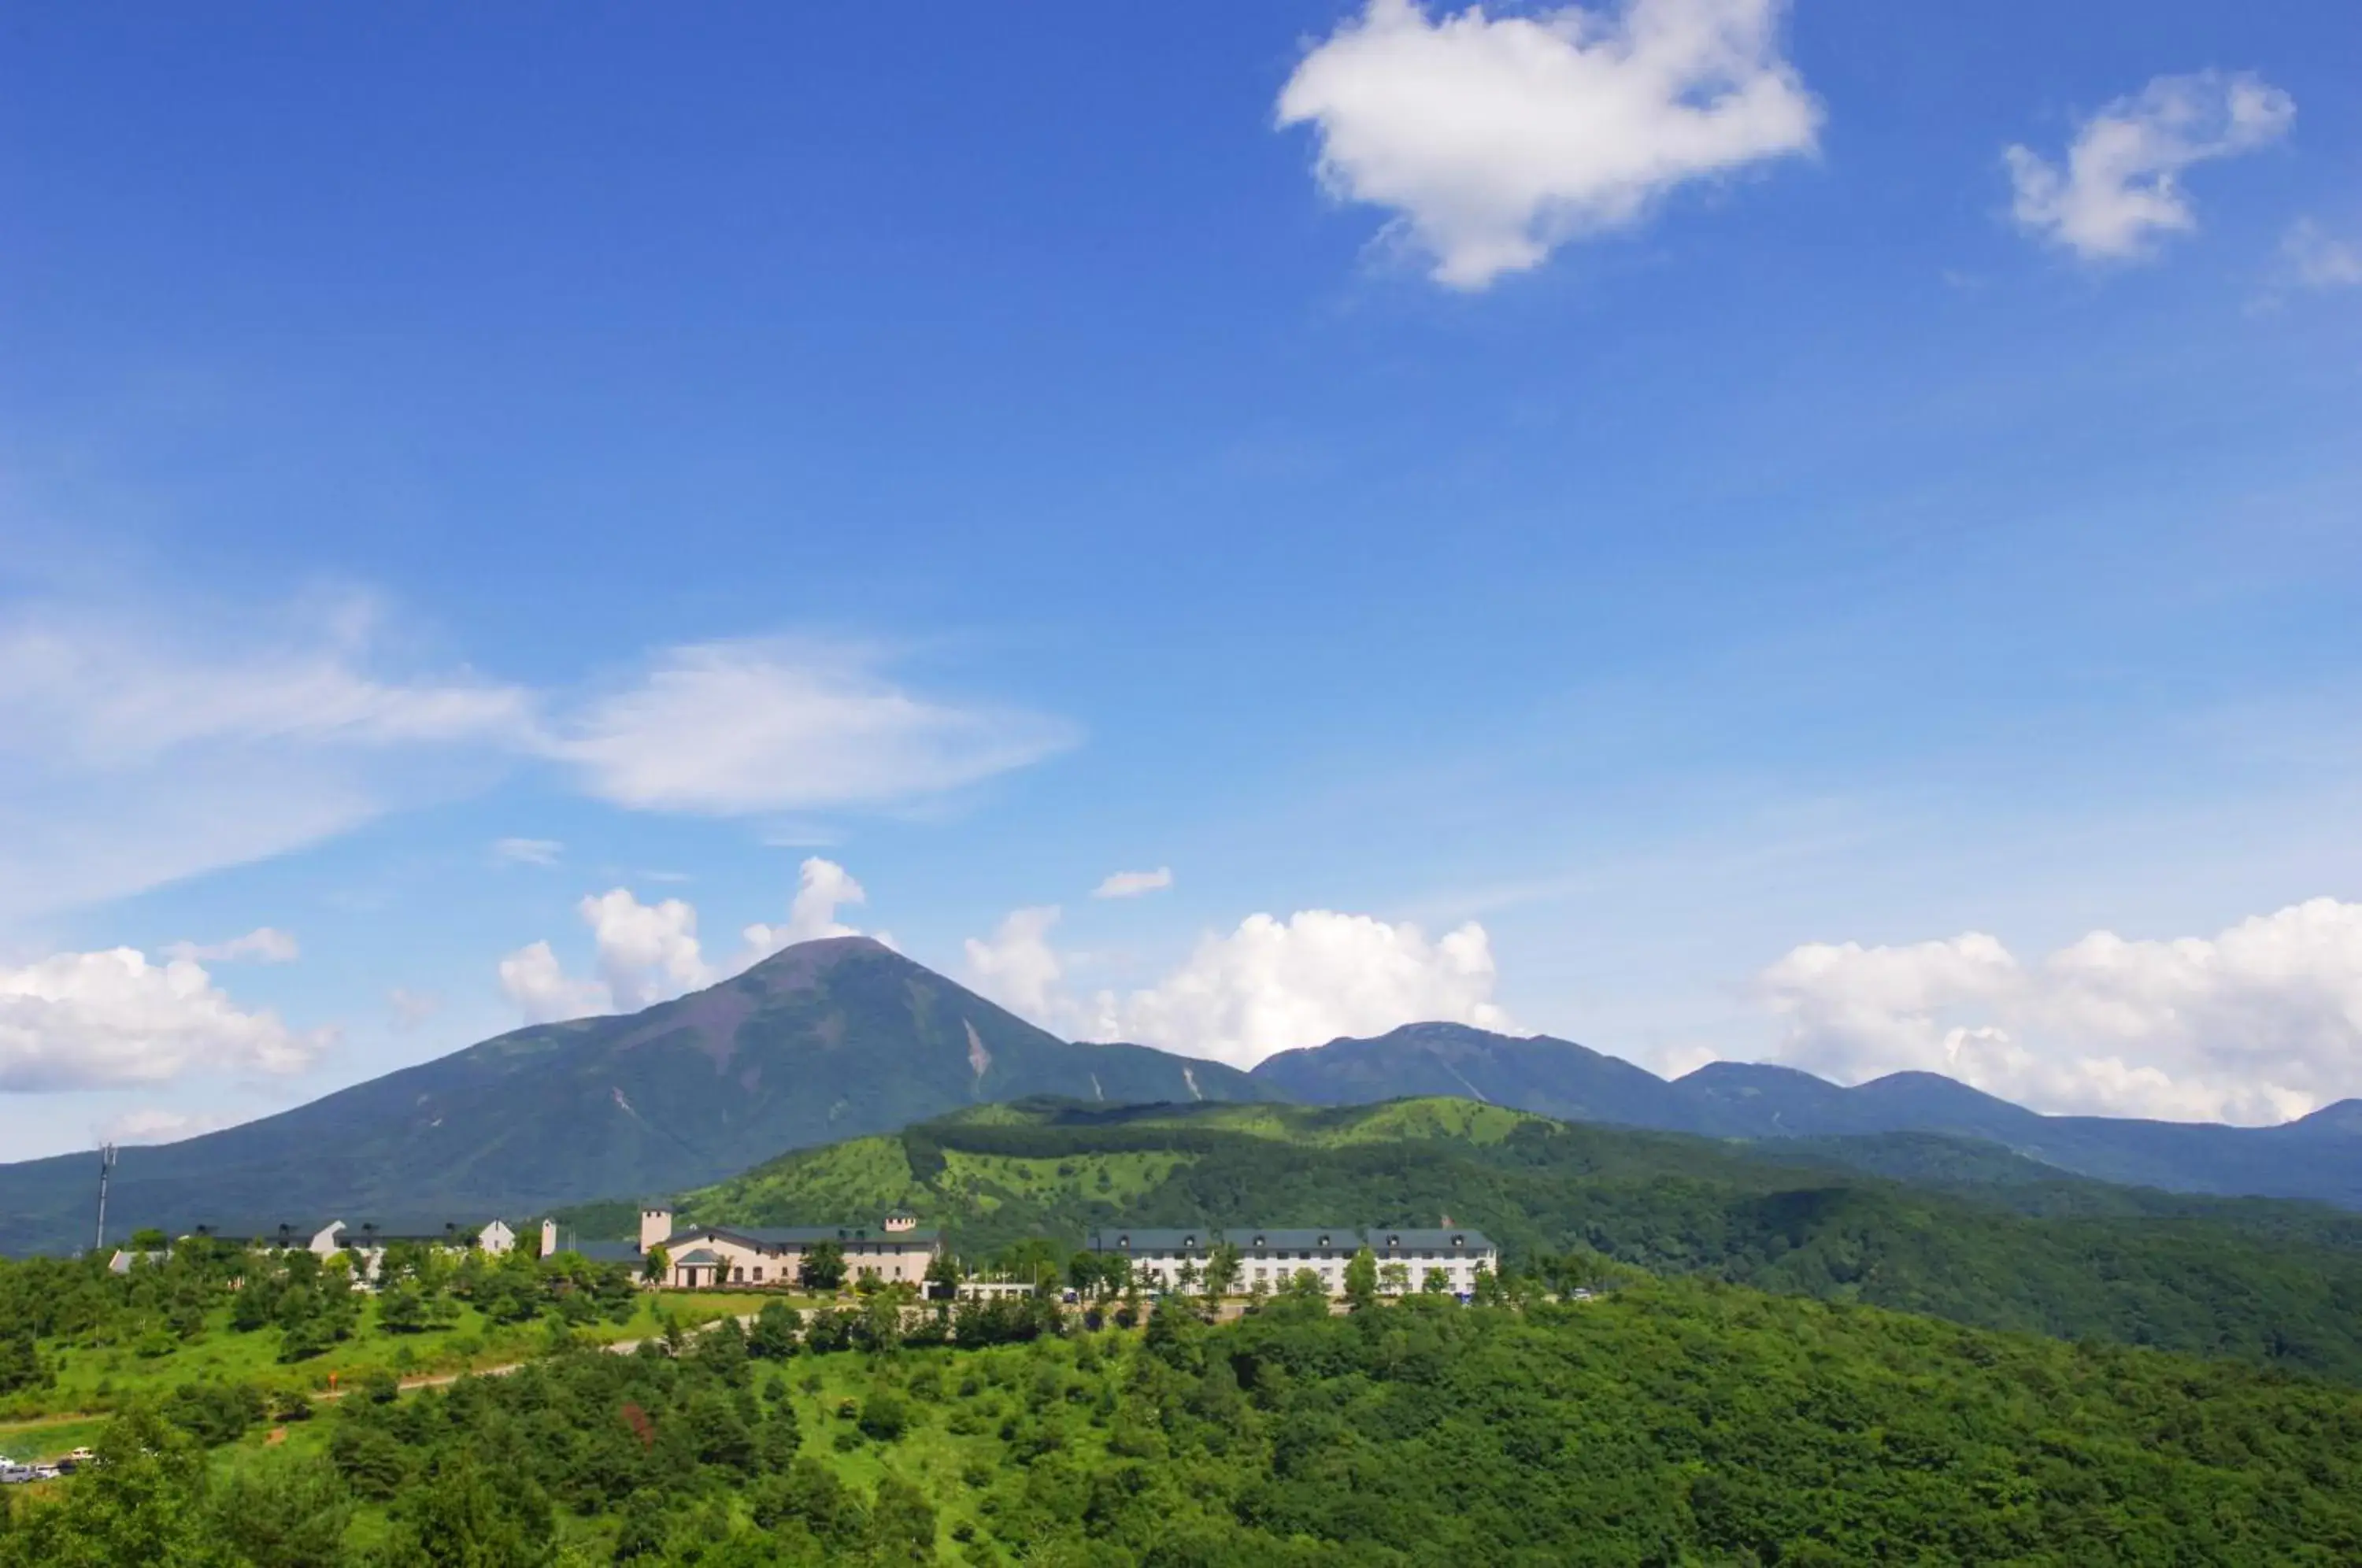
<point x="1248" y="1239"/>
<point x="607" y="1251"/>
<point x="389" y="1227"/>
<point x="698" y="1255"/>
<point x="809" y="1235"/>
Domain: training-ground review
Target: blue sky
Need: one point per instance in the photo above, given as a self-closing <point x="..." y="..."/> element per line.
<point x="1659" y="485"/>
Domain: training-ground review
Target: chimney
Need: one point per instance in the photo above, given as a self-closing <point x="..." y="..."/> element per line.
<point x="656" y="1227"/>
<point x="548" y="1238"/>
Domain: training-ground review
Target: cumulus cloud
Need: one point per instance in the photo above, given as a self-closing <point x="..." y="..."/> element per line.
<point x="91" y="1020"/>
<point x="261" y="945"/>
<point x="1018" y="968"/>
<point x="739" y="728"/>
<point x="646" y="954"/>
<point x="2257" y="1023"/>
<point x="536" y="983"/>
<point x="1497" y="139"/>
<point x="2120" y="188"/>
<point x="1131" y="884"/>
<point x="526" y="851"/>
<point x="822" y="887"/>
<point x="1268" y="986"/>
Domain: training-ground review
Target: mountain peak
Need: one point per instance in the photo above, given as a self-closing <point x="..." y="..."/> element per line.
<point x="802" y="965"/>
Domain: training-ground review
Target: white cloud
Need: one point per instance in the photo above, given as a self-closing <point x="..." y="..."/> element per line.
<point x="138" y="749"/>
<point x="132" y="756"/>
<point x="537" y="984"/>
<point x="737" y="728"/>
<point x="1269" y="986"/>
<point x="2121" y="187"/>
<point x="2258" y="1023"/>
<point x="526" y="851"/>
<point x="262" y="944"/>
<point x="821" y="886"/>
<point x="1497" y="139"/>
<point x="2312" y="260"/>
<point x="87" y="1020"/>
<point x="646" y="954"/>
<point x="1018" y="969"/>
<point x="1131" y="884"/>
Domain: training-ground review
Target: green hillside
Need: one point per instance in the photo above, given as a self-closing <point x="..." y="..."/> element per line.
<point x="1672" y="1423"/>
<point x="822" y="1040"/>
<point x="2277" y="1284"/>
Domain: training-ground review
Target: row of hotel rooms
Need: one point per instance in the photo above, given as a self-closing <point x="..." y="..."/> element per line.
<point x="898" y="1251"/>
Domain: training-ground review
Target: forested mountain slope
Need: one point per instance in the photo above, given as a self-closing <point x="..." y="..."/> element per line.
<point x="2279" y="1284"/>
<point x="1669" y="1422"/>
<point x="2318" y="1157"/>
<point x="822" y="1040"/>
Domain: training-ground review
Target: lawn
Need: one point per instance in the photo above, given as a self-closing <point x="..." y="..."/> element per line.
<point x="105" y="1378"/>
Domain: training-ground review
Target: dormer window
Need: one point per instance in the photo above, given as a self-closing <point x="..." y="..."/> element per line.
<point x="1324" y="1241"/>
<point x="1459" y="1241"/>
<point x="1189" y="1242"/>
<point x="1258" y="1241"/>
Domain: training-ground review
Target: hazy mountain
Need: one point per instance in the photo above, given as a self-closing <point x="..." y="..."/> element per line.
<point x="824" y="1041"/>
<point x="2318" y="1157"/>
<point x="1554" y="1077"/>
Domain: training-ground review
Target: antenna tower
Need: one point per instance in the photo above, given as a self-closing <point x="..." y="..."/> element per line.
<point x="105" y="1164"/>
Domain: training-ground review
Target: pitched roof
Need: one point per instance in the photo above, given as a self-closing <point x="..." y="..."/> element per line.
<point x="1251" y="1238"/>
<point x="801" y="1236"/>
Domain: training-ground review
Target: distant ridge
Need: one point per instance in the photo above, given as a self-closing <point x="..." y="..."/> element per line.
<point x="2318" y="1157"/>
<point x="822" y="1040"/>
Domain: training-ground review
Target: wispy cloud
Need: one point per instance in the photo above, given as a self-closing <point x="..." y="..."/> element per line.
<point x="526" y="851"/>
<point x="261" y="945"/>
<point x="1131" y="884"/>
<point x="2120" y="188"/>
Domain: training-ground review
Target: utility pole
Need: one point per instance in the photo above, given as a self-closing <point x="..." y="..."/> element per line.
<point x="105" y="1164"/>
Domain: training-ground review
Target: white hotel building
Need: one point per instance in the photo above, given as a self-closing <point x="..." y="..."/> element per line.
<point x="1271" y="1256"/>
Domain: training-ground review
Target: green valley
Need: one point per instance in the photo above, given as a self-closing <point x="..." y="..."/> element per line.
<point x="2275" y="1283"/>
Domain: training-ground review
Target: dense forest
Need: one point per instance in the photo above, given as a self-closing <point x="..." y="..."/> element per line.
<point x="1674" y="1422"/>
<point x="2275" y="1283"/>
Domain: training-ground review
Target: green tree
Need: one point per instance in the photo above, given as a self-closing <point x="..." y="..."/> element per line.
<point x="1436" y="1282"/>
<point x="1362" y="1279"/>
<point x="1394" y="1278"/>
<point x="458" y="1518"/>
<point x="295" y="1517"/>
<point x="401" y="1308"/>
<point x="1221" y="1269"/>
<point x="773" y="1336"/>
<point x="657" y="1268"/>
<point x="822" y="1268"/>
<point x="901" y="1524"/>
<point x="141" y="1505"/>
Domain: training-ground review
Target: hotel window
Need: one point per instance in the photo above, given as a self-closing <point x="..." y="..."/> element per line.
<point x="759" y="1273"/>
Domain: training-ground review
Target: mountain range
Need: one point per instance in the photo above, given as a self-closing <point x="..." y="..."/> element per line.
<point x="2318" y="1156"/>
<point x="823" y="1041"/>
<point x="836" y="1039"/>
